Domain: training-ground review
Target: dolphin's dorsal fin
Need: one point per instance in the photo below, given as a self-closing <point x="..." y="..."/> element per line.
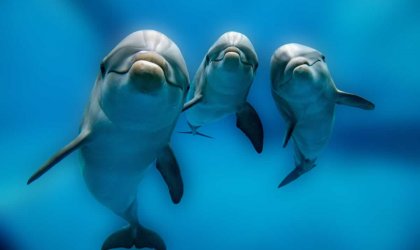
<point x="68" y="149"/>
<point x="248" y="121"/>
<point x="196" y="99"/>
<point x="168" y="167"/>
<point x="290" y="128"/>
<point x="353" y="100"/>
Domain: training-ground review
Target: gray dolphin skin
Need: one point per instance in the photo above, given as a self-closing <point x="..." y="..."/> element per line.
<point x="221" y="86"/>
<point x="135" y="103"/>
<point x="306" y="95"/>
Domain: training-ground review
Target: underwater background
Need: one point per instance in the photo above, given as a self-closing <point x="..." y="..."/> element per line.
<point x="363" y="194"/>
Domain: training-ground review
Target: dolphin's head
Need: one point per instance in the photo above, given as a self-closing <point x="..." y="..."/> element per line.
<point x="231" y="63"/>
<point x="231" y="51"/>
<point x="144" y="75"/>
<point x="300" y="69"/>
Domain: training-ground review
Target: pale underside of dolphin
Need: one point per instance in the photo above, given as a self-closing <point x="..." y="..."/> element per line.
<point x="135" y="103"/>
<point x="306" y="96"/>
<point x="221" y="86"/>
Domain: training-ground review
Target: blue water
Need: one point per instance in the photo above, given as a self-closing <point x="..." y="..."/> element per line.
<point x="363" y="194"/>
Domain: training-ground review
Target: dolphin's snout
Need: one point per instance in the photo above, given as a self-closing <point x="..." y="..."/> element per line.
<point x="233" y="55"/>
<point x="232" y="50"/>
<point x="231" y="60"/>
<point x="147" y="71"/>
<point x="150" y="56"/>
<point x="146" y="76"/>
<point x="298" y="67"/>
<point x="230" y="57"/>
<point x="299" y="61"/>
<point x="229" y="51"/>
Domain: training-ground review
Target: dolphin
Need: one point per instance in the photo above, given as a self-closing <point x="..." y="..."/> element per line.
<point x="127" y="125"/>
<point x="221" y="86"/>
<point x="306" y="95"/>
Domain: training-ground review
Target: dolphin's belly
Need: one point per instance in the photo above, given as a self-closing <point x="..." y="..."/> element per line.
<point x="313" y="127"/>
<point x="204" y="113"/>
<point x="215" y="105"/>
<point x="114" y="163"/>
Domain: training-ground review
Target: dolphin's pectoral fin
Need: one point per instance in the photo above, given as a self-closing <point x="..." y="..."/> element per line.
<point x="203" y="135"/>
<point x="289" y="133"/>
<point x="196" y="99"/>
<point x="249" y="123"/>
<point x="287" y="113"/>
<point x="194" y="131"/>
<point x="354" y="101"/>
<point x="137" y="236"/>
<point x="168" y="167"/>
<point x="68" y="149"/>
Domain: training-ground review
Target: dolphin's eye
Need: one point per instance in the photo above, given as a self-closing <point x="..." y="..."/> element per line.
<point x="323" y="58"/>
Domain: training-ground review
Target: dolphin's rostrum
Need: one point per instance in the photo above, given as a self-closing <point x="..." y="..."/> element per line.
<point x="135" y="103"/>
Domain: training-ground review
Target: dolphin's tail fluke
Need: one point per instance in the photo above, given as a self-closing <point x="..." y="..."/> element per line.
<point x="136" y="236"/>
<point x="299" y="170"/>
<point x="194" y="131"/>
<point x="291" y="177"/>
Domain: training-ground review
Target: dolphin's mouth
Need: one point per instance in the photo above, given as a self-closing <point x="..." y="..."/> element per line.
<point x="306" y="63"/>
<point x="232" y="49"/>
<point x="311" y="64"/>
<point x="291" y="66"/>
<point x="151" y="57"/>
<point x="148" y="56"/>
